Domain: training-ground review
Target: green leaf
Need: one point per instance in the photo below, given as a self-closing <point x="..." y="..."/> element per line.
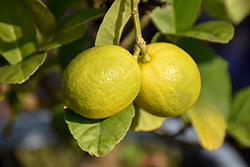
<point x="17" y="31"/>
<point x="71" y="28"/>
<point x="44" y="19"/>
<point x="98" y="137"/>
<point x="209" y="123"/>
<point x="234" y="11"/>
<point x="237" y="10"/>
<point x="241" y="106"/>
<point x="216" y="8"/>
<point x="177" y="17"/>
<point x="211" y="31"/>
<point x="215" y="78"/>
<point x="21" y="72"/>
<point x="239" y="122"/>
<point x="144" y="121"/>
<point x="113" y="23"/>
<point x="240" y="132"/>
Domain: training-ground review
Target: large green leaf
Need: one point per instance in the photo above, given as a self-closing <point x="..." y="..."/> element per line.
<point x="17" y="31"/>
<point x="99" y="136"/>
<point x="110" y="30"/>
<point x="215" y="78"/>
<point x="144" y="121"/>
<point x="21" y="72"/>
<point x="234" y="11"/>
<point x="211" y="31"/>
<point x="209" y="123"/>
<point x="44" y="19"/>
<point x="239" y="122"/>
<point x="71" y="28"/>
<point x="179" y="16"/>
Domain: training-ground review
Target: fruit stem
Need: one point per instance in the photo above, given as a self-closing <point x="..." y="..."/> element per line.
<point x="140" y="45"/>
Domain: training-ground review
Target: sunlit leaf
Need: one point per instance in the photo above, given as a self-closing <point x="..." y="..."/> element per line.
<point x="234" y="11"/>
<point x="209" y="123"/>
<point x="17" y="31"/>
<point x="21" y="72"/>
<point x="179" y="16"/>
<point x="144" y="121"/>
<point x="98" y="137"/>
<point x="110" y="30"/>
<point x="211" y="31"/>
<point x="71" y="28"/>
<point x="44" y="19"/>
<point x="237" y="10"/>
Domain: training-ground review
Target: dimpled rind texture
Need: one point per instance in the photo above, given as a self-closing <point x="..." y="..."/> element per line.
<point x="171" y="81"/>
<point x="101" y="81"/>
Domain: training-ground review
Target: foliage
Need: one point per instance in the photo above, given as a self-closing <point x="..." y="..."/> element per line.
<point x="30" y="30"/>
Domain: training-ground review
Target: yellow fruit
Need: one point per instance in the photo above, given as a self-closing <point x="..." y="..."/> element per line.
<point x="101" y="81"/>
<point x="171" y="81"/>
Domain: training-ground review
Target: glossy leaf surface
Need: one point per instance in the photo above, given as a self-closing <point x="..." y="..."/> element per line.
<point x="17" y="31"/>
<point x="71" y="28"/>
<point x="21" y="72"/>
<point x="110" y="30"/>
<point x="99" y="136"/>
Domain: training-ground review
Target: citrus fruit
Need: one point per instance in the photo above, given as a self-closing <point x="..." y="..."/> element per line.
<point x="101" y="81"/>
<point x="171" y="81"/>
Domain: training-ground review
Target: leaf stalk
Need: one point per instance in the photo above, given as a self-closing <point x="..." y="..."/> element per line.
<point x="140" y="46"/>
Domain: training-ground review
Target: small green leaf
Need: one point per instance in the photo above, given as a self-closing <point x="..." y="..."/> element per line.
<point x="177" y="17"/>
<point x="17" y="31"/>
<point x="21" y="72"/>
<point x="44" y="19"/>
<point x="215" y="78"/>
<point x="71" y="28"/>
<point x="209" y="123"/>
<point x="98" y="137"/>
<point x="144" y="121"/>
<point x="113" y="23"/>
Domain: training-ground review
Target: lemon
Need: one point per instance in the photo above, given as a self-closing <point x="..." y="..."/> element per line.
<point x="171" y="81"/>
<point x="101" y="81"/>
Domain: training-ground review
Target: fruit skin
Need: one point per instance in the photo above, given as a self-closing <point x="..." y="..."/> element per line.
<point x="101" y="81"/>
<point x="171" y="81"/>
